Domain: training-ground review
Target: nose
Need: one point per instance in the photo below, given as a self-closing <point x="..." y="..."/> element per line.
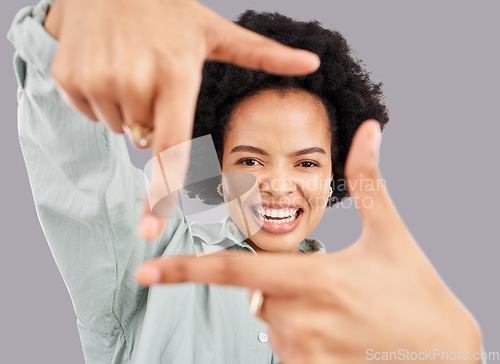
<point x="276" y="184"/>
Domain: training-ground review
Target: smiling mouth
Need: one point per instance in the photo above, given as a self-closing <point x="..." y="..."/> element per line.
<point x="276" y="216"/>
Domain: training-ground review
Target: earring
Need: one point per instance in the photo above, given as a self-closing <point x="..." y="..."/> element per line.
<point x="331" y="192"/>
<point x="219" y="189"/>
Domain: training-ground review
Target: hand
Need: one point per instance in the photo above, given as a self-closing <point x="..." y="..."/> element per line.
<point x="379" y="294"/>
<point x="129" y="62"/>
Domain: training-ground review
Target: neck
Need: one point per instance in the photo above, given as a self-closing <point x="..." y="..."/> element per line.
<point x="259" y="250"/>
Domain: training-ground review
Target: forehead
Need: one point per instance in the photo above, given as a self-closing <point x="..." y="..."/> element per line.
<point x="275" y="119"/>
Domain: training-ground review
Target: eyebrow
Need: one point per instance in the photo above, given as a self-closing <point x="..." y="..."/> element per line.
<point x="249" y="148"/>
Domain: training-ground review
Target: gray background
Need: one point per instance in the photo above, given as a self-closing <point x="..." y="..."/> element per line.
<point x="439" y="62"/>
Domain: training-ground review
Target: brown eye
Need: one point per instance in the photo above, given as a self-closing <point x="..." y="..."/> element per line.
<point x="308" y="164"/>
<point x="248" y="162"/>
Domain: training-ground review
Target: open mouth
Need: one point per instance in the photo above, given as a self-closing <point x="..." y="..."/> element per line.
<point x="277" y="221"/>
<point x="276" y="216"/>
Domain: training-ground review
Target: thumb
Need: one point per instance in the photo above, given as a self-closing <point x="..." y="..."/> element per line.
<point x="363" y="157"/>
<point x="364" y="182"/>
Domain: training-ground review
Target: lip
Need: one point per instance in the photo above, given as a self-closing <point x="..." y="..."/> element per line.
<point x="274" y="205"/>
<point x="278" y="228"/>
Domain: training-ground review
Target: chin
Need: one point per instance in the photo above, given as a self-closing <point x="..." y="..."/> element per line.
<point x="278" y="243"/>
<point x="284" y="242"/>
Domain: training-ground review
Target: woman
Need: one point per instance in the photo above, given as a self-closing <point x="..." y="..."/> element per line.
<point x="259" y="123"/>
<point x="88" y="198"/>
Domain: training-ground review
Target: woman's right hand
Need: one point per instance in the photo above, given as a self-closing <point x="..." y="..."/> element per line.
<point x="378" y="299"/>
<point x="131" y="62"/>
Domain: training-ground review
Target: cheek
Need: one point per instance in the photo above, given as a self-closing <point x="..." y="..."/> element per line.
<point x="316" y="191"/>
<point x="316" y="186"/>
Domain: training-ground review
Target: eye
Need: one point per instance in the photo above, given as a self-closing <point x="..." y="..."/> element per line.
<point x="309" y="164"/>
<point x="248" y="162"/>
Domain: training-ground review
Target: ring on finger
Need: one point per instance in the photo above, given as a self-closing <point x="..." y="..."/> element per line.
<point x="141" y="135"/>
<point x="256" y="303"/>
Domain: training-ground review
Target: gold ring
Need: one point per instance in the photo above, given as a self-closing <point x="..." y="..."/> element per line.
<point x="141" y="135"/>
<point x="256" y="303"/>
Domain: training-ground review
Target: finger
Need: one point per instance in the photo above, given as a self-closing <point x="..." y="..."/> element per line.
<point x="365" y="184"/>
<point x="238" y="45"/>
<point x="139" y="143"/>
<point x="291" y="323"/>
<point x="274" y="274"/>
<point x="174" y="110"/>
<point x="76" y="101"/>
<point x="281" y="346"/>
<point x="108" y="112"/>
<point x="136" y="94"/>
<point x="276" y="341"/>
<point x="68" y="86"/>
<point x="250" y="294"/>
<point x="277" y="310"/>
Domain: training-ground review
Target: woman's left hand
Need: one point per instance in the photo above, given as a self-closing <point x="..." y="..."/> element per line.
<point x="378" y="296"/>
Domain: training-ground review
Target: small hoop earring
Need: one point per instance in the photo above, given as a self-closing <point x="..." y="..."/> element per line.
<point x="219" y="189"/>
<point x="331" y="192"/>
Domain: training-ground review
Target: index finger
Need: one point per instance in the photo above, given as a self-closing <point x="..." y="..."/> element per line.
<point x="248" y="49"/>
<point x="174" y="109"/>
<point x="274" y="274"/>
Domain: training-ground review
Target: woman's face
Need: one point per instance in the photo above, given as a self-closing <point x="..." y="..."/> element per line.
<point x="284" y="140"/>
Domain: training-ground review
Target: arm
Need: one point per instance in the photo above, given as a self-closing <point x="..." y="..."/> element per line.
<point x="87" y="194"/>
<point x="379" y="295"/>
<point x="158" y="89"/>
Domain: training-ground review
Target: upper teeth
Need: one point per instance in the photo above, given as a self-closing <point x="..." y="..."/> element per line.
<point x="276" y="212"/>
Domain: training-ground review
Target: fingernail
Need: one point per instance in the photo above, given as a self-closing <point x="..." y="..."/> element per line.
<point x="315" y="60"/>
<point x="377" y="138"/>
<point x="148" y="227"/>
<point x="149" y="275"/>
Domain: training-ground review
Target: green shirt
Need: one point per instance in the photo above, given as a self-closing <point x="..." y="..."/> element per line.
<point x="88" y="197"/>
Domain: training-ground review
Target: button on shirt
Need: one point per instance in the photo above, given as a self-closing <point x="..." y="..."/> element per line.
<point x="88" y="197"/>
<point x="263" y="337"/>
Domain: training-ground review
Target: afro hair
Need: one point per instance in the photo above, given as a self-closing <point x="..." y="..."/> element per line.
<point x="341" y="82"/>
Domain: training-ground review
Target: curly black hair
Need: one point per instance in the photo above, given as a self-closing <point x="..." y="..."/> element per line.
<point x="341" y="82"/>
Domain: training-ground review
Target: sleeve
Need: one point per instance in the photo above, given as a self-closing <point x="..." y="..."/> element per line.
<point x="87" y="194"/>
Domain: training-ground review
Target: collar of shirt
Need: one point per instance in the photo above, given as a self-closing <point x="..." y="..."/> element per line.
<point x="214" y="237"/>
